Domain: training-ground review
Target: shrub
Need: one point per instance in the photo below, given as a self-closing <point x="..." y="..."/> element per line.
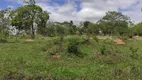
<point x="53" y="50"/>
<point x="134" y="53"/>
<point x="3" y="41"/>
<point x="3" y="37"/>
<point x="58" y="40"/>
<point x="87" y="39"/>
<point x="102" y="50"/>
<point x="74" y="46"/>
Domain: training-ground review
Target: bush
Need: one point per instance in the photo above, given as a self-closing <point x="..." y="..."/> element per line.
<point x="58" y="40"/>
<point x="87" y="39"/>
<point x="102" y="50"/>
<point x="74" y="46"/>
<point x="3" y="41"/>
<point x="134" y="53"/>
<point x="3" y="37"/>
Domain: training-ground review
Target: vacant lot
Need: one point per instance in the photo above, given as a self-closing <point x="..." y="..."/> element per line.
<point x="102" y="60"/>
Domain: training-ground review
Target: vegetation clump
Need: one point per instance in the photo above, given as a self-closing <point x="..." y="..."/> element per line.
<point x="74" y="46"/>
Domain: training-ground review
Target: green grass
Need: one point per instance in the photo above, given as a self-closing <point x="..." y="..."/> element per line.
<point x="27" y="61"/>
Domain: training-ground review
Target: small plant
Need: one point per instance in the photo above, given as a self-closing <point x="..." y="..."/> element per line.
<point x="53" y="50"/>
<point x="102" y="50"/>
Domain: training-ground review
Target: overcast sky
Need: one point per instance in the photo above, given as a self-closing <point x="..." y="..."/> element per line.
<point x="81" y="10"/>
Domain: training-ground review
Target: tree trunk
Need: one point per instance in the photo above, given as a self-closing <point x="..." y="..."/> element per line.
<point x="33" y="32"/>
<point x="17" y="35"/>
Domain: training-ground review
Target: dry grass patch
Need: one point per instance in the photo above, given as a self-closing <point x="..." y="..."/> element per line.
<point x="119" y="41"/>
<point x="29" y="41"/>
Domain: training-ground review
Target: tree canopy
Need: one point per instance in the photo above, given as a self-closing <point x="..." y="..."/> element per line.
<point x="114" y="22"/>
<point x="25" y="16"/>
<point x="32" y="19"/>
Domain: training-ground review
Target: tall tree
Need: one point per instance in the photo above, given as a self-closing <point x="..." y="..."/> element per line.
<point x="25" y="16"/>
<point x="114" y="22"/>
<point x="4" y="23"/>
<point x="43" y="23"/>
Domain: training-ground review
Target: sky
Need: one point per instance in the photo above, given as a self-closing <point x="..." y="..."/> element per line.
<point x="83" y="10"/>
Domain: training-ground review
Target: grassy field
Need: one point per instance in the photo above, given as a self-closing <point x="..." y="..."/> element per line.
<point x="33" y="61"/>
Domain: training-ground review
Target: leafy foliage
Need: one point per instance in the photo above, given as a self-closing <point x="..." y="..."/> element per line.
<point x="4" y="24"/>
<point x="24" y="17"/>
<point x="114" y="23"/>
<point x="137" y="29"/>
<point x="74" y="46"/>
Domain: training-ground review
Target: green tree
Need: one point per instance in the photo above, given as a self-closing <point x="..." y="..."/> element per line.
<point x="43" y="23"/>
<point x="114" y="23"/>
<point x="4" y="24"/>
<point x="85" y="26"/>
<point x="90" y="28"/>
<point x="93" y="28"/>
<point x="25" y="16"/>
<point x="137" y="29"/>
<point x="70" y="27"/>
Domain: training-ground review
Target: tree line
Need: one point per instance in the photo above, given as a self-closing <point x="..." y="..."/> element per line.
<point x="24" y="17"/>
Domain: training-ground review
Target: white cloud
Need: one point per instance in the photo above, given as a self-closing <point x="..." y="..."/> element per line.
<point x="65" y="12"/>
<point x="91" y="10"/>
<point x="98" y="8"/>
<point x="11" y="6"/>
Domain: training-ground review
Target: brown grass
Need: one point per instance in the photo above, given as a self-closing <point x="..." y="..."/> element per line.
<point x="29" y="41"/>
<point x="119" y="42"/>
